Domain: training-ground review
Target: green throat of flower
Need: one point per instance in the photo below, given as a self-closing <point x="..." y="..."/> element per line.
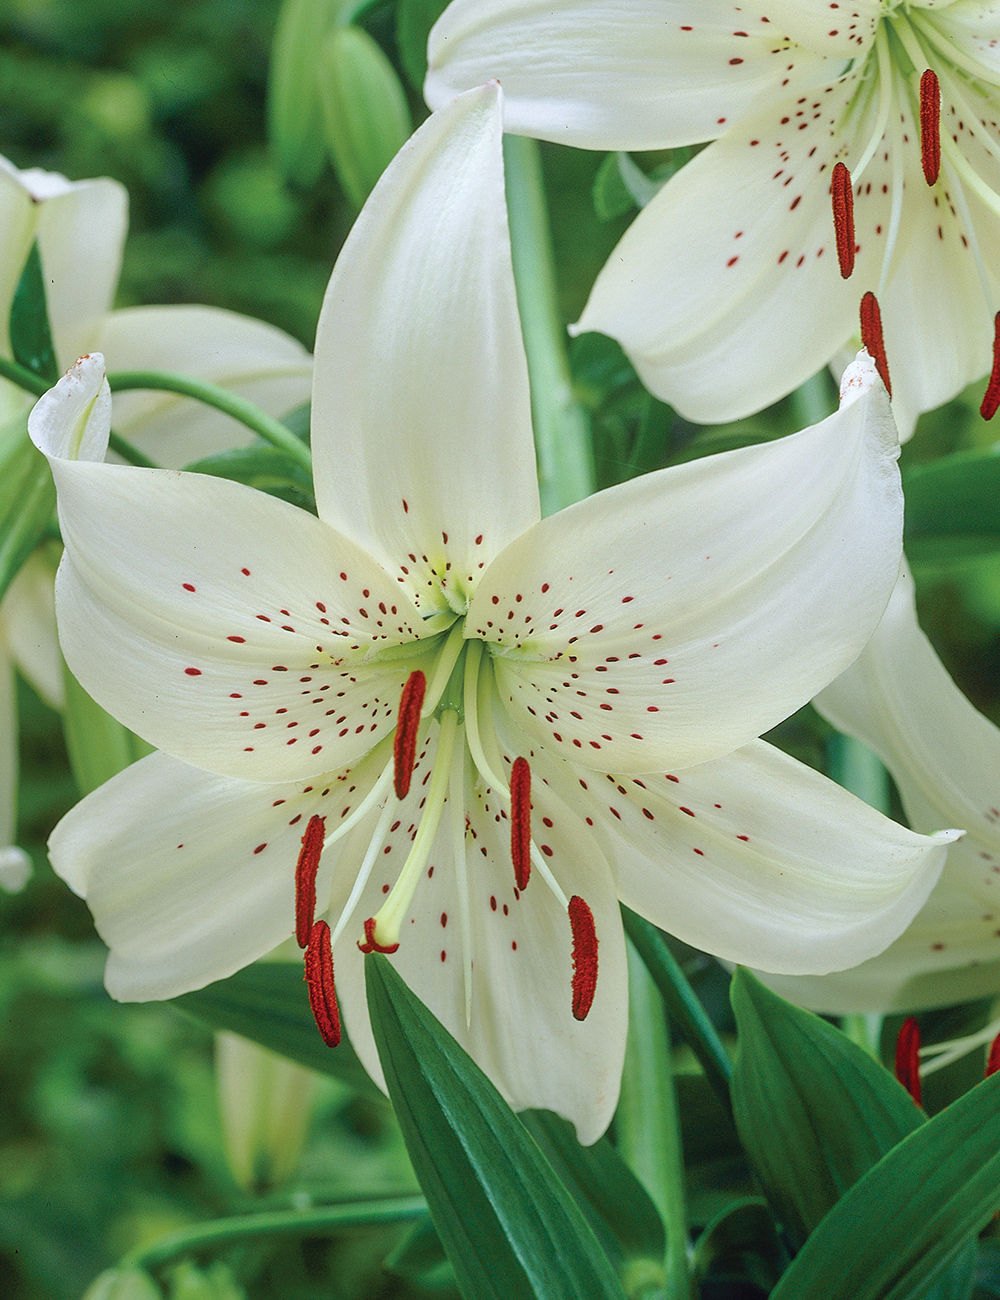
<point x="457" y="696"/>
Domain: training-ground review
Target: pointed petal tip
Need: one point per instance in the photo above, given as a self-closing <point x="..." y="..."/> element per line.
<point x="858" y="378"/>
<point x="72" y="421"/>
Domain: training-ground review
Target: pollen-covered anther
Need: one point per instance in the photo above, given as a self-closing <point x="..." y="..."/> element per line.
<point x="871" y="337"/>
<point x="305" y="879"/>
<point x="843" y="218"/>
<point x="908" y="1057"/>
<point x="581" y="920"/>
<point x="930" y="126"/>
<point x="520" y="821"/>
<point x="404" y="748"/>
<point x="319" y="981"/>
<point x="371" y="944"/>
<point x="993" y="1057"/>
<point x="991" y="398"/>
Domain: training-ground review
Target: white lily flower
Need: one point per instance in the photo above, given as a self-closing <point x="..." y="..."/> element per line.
<point x="80" y="228"/>
<point x="736" y="258"/>
<point x="898" y="698"/>
<point x="458" y="717"/>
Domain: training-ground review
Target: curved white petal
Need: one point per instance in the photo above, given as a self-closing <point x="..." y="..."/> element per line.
<point x="760" y="860"/>
<point x="839" y="31"/>
<point x="520" y="1030"/>
<point x="223" y="625"/>
<point x="945" y="758"/>
<point x="613" y="74"/>
<point x="421" y="421"/>
<point x="81" y="234"/>
<point x="725" y="291"/>
<point x="189" y="876"/>
<point x="72" y="421"/>
<point x="250" y="358"/>
<point x="656" y="625"/>
<point x="28" y="628"/>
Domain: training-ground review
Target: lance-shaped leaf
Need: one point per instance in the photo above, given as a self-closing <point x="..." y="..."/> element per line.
<point x="891" y="1235"/>
<point x="269" y="1005"/>
<point x="951" y="509"/>
<point x="813" y="1110"/>
<point x="511" y="1230"/>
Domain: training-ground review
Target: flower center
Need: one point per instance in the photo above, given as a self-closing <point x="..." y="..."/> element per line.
<point x="457" y="697"/>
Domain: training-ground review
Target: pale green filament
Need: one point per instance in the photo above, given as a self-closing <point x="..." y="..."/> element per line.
<point x="377" y="840"/>
<point x="456" y="798"/>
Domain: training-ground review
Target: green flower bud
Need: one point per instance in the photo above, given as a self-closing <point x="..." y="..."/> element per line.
<point x="123" y="1284"/>
<point x="294" y="116"/>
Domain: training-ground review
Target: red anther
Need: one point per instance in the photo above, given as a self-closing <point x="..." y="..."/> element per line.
<point x="871" y="337"/>
<point x="908" y="1057"/>
<point x="305" y="879"/>
<point x="319" y="980"/>
<point x="372" y="944"/>
<point x="520" y="821"/>
<point x="843" y="218"/>
<point x="581" y="919"/>
<point x="993" y="1060"/>
<point x="404" y="747"/>
<point x="991" y="398"/>
<point x="930" y="126"/>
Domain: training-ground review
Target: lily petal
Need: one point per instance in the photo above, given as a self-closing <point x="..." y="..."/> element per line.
<point x="420" y="401"/>
<point x="726" y="265"/>
<point x="760" y="860"/>
<point x="521" y="1029"/>
<point x="246" y="356"/>
<point x="28" y="628"/>
<point x="612" y="74"/>
<point x="190" y="877"/>
<point x="632" y="625"/>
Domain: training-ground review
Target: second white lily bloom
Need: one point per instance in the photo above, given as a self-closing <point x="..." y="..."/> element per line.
<point x="592" y="683"/>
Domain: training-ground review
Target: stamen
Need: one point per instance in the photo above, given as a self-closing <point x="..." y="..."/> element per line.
<point x="305" y="879"/>
<point x="371" y="944"/>
<point x="581" y="920"/>
<point x="871" y="337"/>
<point x="930" y="125"/>
<point x="520" y="821"/>
<point x="843" y="218"/>
<point x="908" y="1057"/>
<point x="993" y="1059"/>
<point x="319" y="979"/>
<point x="404" y="749"/>
<point x="991" y="398"/>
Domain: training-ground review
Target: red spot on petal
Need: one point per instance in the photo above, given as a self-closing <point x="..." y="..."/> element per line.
<point x="188" y="586"/>
<point x="193" y="672"/>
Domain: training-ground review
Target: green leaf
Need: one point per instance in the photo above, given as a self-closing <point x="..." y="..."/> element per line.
<point x="612" y="197"/>
<point x="616" y="1204"/>
<point x="30" y="335"/>
<point x="266" y="468"/>
<point x="27" y="499"/>
<point x="951" y="507"/>
<point x="511" y="1230"/>
<point x="414" y="20"/>
<point x="813" y="1110"/>
<point x="891" y="1234"/>
<point x="268" y="1004"/>
<point x="365" y="112"/>
<point x="742" y="1241"/>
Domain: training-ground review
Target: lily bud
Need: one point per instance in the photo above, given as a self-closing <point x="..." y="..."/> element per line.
<point x="365" y="112"/>
<point x="294" y="125"/>
<point x="123" y="1284"/>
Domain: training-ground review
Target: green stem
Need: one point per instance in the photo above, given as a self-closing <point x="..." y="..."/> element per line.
<point x="562" y="441"/>
<point x="23" y="377"/>
<point x="271" y="430"/>
<point x="647" y="1126"/>
<point x="682" y="1004"/>
<point x="278" y="1223"/>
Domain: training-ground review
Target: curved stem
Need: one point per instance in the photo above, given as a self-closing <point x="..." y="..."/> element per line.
<point x="23" y="377"/>
<point x="283" y="1223"/>
<point x="562" y="438"/>
<point x="239" y="408"/>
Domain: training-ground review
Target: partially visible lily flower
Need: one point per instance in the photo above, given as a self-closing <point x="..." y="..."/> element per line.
<point x="80" y="229"/>
<point x="898" y="698"/>
<point x="432" y="724"/>
<point x="858" y="138"/>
